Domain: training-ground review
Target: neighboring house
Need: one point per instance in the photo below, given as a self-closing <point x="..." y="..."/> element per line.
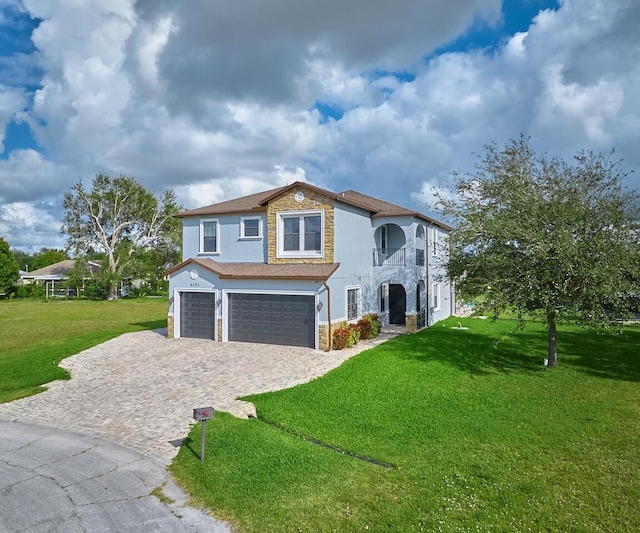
<point x="53" y="277"/>
<point x="285" y="266"/>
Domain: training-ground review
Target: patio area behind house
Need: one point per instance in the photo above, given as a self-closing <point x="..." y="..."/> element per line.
<point x="139" y="389"/>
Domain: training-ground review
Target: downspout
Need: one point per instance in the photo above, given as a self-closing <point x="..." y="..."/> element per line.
<point x="328" y="316"/>
<point x="428" y="288"/>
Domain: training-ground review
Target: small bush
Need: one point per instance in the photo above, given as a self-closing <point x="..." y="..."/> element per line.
<point x="369" y="326"/>
<point x="30" y="290"/>
<point x="341" y="337"/>
<point x="345" y="336"/>
<point x="96" y="290"/>
<point x="354" y="334"/>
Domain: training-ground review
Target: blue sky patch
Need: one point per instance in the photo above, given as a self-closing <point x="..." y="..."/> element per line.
<point x="328" y="112"/>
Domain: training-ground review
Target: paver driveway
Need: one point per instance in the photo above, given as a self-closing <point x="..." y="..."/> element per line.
<point x="139" y="389"/>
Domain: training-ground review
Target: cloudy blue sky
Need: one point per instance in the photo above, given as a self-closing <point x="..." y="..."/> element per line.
<point x="217" y="99"/>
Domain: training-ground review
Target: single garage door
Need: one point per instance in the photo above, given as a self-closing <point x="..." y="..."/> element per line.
<point x="198" y="315"/>
<point x="273" y="319"/>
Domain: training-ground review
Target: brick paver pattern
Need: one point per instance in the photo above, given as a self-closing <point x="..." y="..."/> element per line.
<point x="140" y="389"/>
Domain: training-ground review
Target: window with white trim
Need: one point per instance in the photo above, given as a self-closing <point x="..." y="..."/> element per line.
<point x="209" y="236"/>
<point x="300" y="234"/>
<point x="435" y="296"/>
<point x="250" y="228"/>
<point x="353" y="303"/>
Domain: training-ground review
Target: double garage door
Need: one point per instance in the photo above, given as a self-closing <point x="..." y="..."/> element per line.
<point x="272" y="319"/>
<point x="287" y="319"/>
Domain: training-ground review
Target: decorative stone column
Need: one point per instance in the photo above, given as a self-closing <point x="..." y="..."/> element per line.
<point x="411" y="323"/>
<point x="323" y="337"/>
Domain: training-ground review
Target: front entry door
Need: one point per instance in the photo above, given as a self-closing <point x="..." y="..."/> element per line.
<point x="397" y="304"/>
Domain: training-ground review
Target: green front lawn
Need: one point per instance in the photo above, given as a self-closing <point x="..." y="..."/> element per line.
<point x="480" y="436"/>
<point x="36" y="335"/>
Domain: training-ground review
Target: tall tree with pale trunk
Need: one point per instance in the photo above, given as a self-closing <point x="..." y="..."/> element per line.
<point x="119" y="217"/>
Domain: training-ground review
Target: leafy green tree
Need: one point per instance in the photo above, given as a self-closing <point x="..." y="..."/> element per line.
<point x="121" y="218"/>
<point x="545" y="238"/>
<point x="24" y="259"/>
<point x="9" y="270"/>
<point x="46" y="257"/>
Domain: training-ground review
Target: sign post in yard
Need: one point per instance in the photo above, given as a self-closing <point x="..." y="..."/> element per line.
<point x="203" y="414"/>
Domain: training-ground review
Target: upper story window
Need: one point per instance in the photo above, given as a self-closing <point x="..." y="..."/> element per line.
<point x="435" y="242"/>
<point x="300" y="234"/>
<point x="250" y="228"/>
<point x="209" y="236"/>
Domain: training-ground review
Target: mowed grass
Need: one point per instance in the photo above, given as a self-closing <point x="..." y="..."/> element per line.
<point x="36" y="335"/>
<point x="481" y="436"/>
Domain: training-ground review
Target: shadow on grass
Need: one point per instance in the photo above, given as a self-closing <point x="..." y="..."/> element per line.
<point x="475" y="353"/>
<point x="612" y="356"/>
<point x="151" y="324"/>
<point x="189" y="444"/>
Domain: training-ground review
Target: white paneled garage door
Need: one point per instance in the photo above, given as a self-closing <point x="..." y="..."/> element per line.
<point x="287" y="319"/>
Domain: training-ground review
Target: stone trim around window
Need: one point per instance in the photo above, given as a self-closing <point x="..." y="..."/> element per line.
<point x="300" y="234"/>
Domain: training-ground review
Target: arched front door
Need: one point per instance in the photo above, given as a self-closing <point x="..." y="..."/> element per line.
<point x="397" y="304"/>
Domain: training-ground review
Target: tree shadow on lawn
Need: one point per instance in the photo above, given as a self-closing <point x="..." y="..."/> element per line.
<point x="612" y="356"/>
<point x="606" y="355"/>
<point x="151" y="324"/>
<point x="471" y="352"/>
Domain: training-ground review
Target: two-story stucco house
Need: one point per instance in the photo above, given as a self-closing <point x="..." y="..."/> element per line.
<point x="286" y="265"/>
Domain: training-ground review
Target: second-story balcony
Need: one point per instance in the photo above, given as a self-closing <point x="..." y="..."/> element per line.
<point x="396" y="257"/>
<point x="389" y="257"/>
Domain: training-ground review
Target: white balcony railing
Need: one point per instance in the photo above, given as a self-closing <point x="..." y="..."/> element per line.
<point x="389" y="257"/>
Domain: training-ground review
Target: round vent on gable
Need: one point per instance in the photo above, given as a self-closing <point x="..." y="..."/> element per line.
<point x="299" y="196"/>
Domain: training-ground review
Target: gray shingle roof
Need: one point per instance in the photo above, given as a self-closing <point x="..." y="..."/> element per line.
<point x="259" y="201"/>
<point x="58" y="270"/>
<point x="305" y="271"/>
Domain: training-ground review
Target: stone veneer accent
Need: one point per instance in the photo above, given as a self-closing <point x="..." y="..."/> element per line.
<point x="323" y="338"/>
<point x="219" y="330"/>
<point x="287" y="202"/>
<point x="411" y="322"/>
<point x="170" y="329"/>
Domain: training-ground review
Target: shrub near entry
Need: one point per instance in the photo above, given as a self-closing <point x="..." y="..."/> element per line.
<point x="347" y="335"/>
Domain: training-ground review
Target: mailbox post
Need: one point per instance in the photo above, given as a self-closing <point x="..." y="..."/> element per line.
<point x="203" y="414"/>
